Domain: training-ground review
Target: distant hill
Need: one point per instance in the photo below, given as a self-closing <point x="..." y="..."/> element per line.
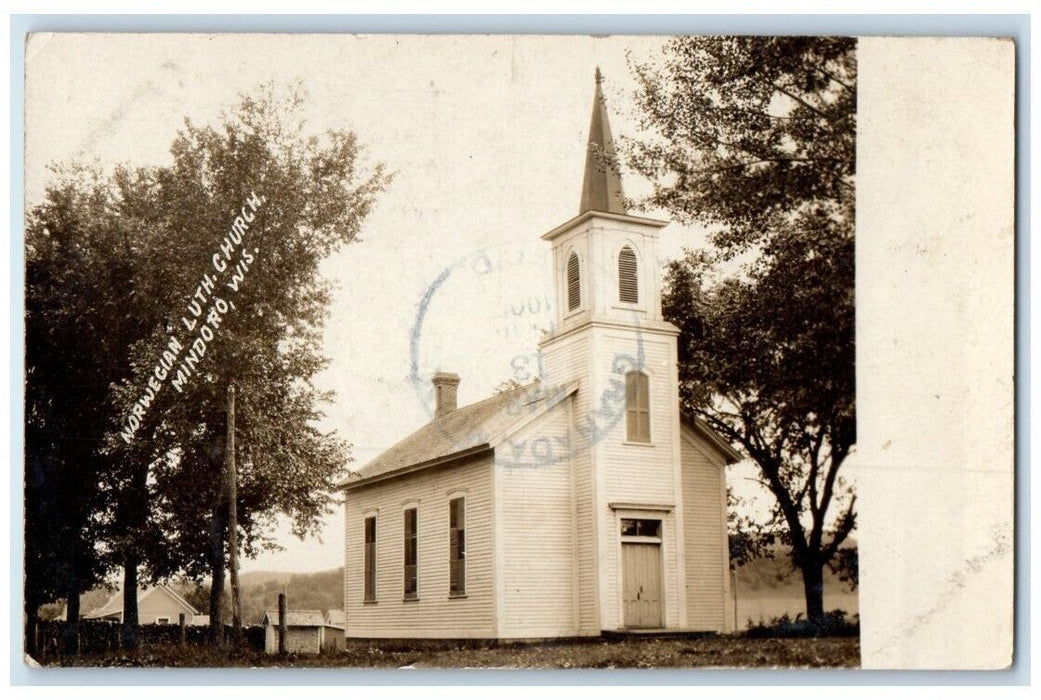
<point x="322" y="590"/>
<point x="768" y="588"/>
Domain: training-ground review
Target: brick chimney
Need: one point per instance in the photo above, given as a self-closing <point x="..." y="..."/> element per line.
<point x="445" y="389"/>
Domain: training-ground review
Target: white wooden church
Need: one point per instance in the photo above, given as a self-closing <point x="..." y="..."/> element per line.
<point x="468" y="529"/>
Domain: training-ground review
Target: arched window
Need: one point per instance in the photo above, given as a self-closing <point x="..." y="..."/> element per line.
<point x="637" y="408"/>
<point x="574" y="284"/>
<point x="628" y="282"/>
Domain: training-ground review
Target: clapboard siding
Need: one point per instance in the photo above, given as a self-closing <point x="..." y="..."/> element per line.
<point x="434" y="614"/>
<point x="537" y="528"/>
<point x="568" y="360"/>
<point x="703" y="485"/>
<point x="638" y="472"/>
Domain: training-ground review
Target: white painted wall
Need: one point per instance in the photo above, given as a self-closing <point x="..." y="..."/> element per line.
<point x="434" y="614"/>
<point x="299" y="640"/>
<point x="643" y="474"/>
<point x="708" y="566"/>
<point x="569" y="359"/>
<point x="536" y="533"/>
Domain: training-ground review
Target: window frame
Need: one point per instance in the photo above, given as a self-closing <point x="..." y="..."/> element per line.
<point x="639" y="525"/>
<point x="636" y="381"/>
<point x="457" y="547"/>
<point x="369" y="559"/>
<point x="410" y="537"/>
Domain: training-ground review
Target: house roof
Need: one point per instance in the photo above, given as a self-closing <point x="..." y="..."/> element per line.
<point x="465" y="431"/>
<point x="297" y="618"/>
<point x="114" y="605"/>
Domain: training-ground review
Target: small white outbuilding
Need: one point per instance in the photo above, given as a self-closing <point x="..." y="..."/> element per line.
<point x="307" y="632"/>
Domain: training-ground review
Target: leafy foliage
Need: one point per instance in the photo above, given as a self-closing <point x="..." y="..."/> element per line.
<point x="315" y="196"/>
<point x="114" y="261"/>
<point x="835" y="623"/>
<point x="754" y="137"/>
<point x="79" y="248"/>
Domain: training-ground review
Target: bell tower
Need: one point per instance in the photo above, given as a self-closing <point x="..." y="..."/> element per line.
<point x="605" y="260"/>
<point x="610" y="339"/>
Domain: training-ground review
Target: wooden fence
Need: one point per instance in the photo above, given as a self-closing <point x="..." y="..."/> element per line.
<point x="100" y="636"/>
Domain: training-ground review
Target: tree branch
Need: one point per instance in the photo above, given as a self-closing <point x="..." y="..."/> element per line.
<point x="846" y="524"/>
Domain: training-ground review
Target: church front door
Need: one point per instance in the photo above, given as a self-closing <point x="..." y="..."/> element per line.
<point x="641" y="591"/>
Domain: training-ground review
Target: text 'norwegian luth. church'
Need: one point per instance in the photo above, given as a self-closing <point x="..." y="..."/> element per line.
<point x="454" y="532"/>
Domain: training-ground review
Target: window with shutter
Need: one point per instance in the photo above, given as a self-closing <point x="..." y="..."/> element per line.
<point x="457" y="547"/>
<point x="628" y="280"/>
<point x="574" y="283"/>
<point x="638" y="411"/>
<point x="411" y="556"/>
<point x="370" y="559"/>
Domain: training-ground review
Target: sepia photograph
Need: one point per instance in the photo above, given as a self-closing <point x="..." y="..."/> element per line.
<point x="451" y="351"/>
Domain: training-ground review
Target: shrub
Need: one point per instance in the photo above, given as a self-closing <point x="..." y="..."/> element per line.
<point x="834" y="624"/>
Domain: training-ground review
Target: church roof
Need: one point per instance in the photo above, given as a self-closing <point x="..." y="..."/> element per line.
<point x="706" y="431"/>
<point x="601" y="184"/>
<point x="465" y="431"/>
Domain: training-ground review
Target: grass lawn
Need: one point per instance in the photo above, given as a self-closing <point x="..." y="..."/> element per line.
<point x="712" y="652"/>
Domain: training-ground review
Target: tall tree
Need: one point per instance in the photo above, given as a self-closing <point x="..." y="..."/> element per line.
<point x="252" y="207"/>
<point x="79" y="267"/>
<point x="124" y="440"/>
<point x="754" y="138"/>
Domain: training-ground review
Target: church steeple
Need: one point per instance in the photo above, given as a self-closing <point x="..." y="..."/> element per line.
<point x="601" y="184"/>
<point x="605" y="259"/>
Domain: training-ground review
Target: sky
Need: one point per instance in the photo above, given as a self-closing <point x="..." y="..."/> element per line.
<point x="485" y="136"/>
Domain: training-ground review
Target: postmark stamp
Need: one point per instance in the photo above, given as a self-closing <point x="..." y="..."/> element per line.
<point x="530" y="385"/>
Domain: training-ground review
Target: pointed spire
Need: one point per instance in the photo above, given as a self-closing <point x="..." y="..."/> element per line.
<point x="601" y="184"/>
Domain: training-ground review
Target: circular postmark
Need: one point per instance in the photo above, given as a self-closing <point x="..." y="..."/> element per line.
<point x="510" y="310"/>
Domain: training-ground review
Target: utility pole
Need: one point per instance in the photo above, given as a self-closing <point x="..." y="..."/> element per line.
<point x="233" y="520"/>
<point x="282" y="623"/>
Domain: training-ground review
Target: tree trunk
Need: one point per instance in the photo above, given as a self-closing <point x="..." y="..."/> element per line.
<point x="136" y="508"/>
<point x="130" y="618"/>
<point x="71" y="630"/>
<point x="813" y="586"/>
<point x="218" y="526"/>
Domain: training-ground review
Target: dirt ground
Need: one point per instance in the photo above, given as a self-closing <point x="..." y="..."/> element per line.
<point x="708" y="652"/>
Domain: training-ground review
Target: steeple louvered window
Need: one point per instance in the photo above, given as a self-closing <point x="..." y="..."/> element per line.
<point x="574" y="282"/>
<point x="628" y="278"/>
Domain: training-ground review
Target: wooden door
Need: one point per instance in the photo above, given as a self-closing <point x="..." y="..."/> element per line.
<point x="641" y="584"/>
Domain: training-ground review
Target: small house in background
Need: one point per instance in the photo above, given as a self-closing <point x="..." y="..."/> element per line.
<point x="307" y="632"/>
<point x="156" y="605"/>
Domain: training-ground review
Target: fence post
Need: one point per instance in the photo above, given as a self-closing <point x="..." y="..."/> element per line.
<point x="181" y="621"/>
<point x="281" y="623"/>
